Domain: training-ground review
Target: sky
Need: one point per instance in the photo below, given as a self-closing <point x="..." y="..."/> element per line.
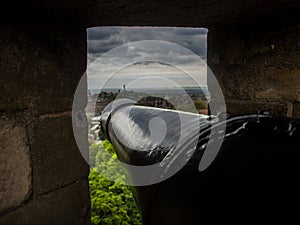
<point x="146" y="57"/>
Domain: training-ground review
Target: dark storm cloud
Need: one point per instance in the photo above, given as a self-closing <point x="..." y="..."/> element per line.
<point x="97" y="46"/>
<point x="103" y="39"/>
<point x="97" y="33"/>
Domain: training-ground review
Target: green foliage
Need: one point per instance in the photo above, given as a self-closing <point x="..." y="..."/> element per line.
<point x="93" y="151"/>
<point x="186" y="108"/>
<point x="109" y="147"/>
<point x="200" y="104"/>
<point x="112" y="202"/>
<point x="112" y="97"/>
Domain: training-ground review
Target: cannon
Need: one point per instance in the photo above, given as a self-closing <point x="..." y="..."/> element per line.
<point x="251" y="179"/>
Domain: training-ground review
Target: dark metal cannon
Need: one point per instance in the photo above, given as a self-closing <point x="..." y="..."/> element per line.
<point x="251" y="179"/>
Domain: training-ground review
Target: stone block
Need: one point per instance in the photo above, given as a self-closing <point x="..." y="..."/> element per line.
<point x="57" y="160"/>
<point x="15" y="165"/>
<point x="280" y="84"/>
<point x="240" y="107"/>
<point x="296" y="110"/>
<point x="40" y="69"/>
<point x="258" y="71"/>
<point x="66" y="206"/>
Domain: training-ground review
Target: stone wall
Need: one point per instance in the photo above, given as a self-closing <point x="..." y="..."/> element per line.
<point x="257" y="69"/>
<point x="43" y="175"/>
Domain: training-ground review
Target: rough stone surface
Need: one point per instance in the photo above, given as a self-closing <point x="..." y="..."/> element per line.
<point x="260" y="68"/>
<point x="267" y="106"/>
<point x="40" y="68"/>
<point x="43" y="175"/>
<point x="296" y="110"/>
<point x="67" y="206"/>
<point x="56" y="158"/>
<point x="15" y="166"/>
<point x="151" y="13"/>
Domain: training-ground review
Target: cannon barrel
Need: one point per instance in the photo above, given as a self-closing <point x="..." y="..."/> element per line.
<point x="252" y="180"/>
<point x="144" y="135"/>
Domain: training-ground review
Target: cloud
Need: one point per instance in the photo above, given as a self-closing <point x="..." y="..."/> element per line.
<point x="99" y="33"/>
<point x="103" y="39"/>
<point x="116" y="42"/>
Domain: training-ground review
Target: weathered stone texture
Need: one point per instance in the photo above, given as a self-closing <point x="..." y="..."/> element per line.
<point x="266" y="106"/>
<point x="40" y="68"/>
<point x="56" y="158"/>
<point x="150" y="13"/>
<point x="67" y="206"/>
<point x="259" y="67"/>
<point x="296" y="110"/>
<point x="15" y="165"/>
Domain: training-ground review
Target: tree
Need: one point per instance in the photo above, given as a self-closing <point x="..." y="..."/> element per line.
<point x="112" y="203"/>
